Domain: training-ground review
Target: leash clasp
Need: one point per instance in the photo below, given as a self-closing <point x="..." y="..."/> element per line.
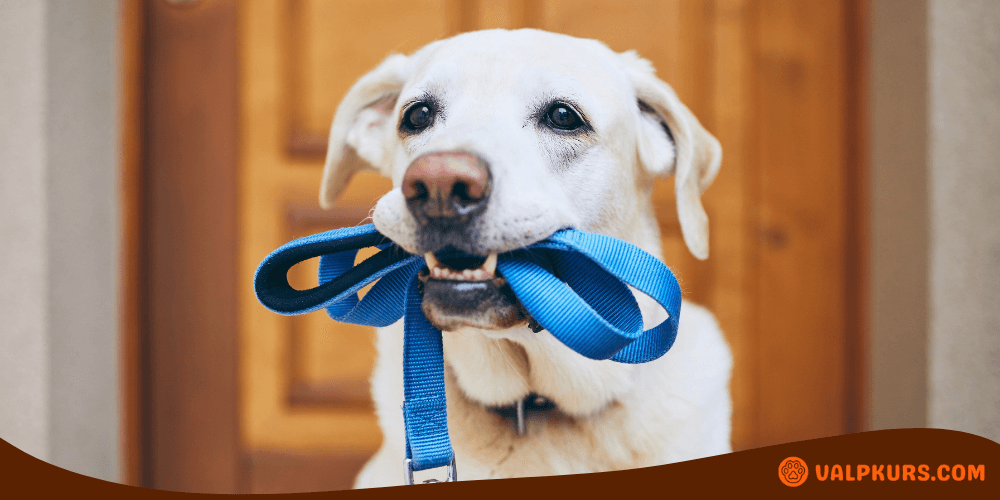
<point x="451" y="478"/>
<point x="522" y="428"/>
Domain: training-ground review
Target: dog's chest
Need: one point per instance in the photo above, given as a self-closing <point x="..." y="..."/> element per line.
<point x="552" y="442"/>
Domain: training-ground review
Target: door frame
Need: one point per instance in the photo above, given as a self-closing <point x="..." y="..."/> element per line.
<point x="178" y="185"/>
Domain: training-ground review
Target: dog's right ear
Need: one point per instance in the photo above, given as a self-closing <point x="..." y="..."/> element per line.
<point x="361" y="127"/>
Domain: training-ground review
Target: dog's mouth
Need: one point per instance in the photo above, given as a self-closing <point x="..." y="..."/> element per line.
<point x="461" y="267"/>
<point x="461" y="290"/>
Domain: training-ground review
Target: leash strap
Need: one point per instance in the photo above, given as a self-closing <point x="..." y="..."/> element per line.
<point x="573" y="283"/>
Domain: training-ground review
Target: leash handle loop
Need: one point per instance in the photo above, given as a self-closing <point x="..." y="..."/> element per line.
<point x="337" y="246"/>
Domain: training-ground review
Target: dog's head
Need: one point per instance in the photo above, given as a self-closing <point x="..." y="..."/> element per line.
<point x="496" y="139"/>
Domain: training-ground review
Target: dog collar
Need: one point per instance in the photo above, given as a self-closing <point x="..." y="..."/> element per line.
<point x="519" y="411"/>
<point x="573" y="283"/>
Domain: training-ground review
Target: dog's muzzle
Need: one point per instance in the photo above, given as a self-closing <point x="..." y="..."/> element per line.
<point x="445" y="192"/>
<point x="460" y="290"/>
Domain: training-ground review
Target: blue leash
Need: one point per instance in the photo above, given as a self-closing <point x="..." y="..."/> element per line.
<point x="573" y="284"/>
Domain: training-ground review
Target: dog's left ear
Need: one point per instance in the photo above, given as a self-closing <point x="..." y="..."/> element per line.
<point x="671" y="140"/>
<point x="361" y="127"/>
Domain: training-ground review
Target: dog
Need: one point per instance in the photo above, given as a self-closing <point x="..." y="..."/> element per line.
<point x="494" y="140"/>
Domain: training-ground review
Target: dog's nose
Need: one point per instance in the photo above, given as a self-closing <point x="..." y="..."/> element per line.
<point x="447" y="187"/>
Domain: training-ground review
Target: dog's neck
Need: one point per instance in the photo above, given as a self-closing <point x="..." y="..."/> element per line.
<point x="501" y="368"/>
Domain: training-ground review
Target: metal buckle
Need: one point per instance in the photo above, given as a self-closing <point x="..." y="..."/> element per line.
<point x="521" y="426"/>
<point x="451" y="478"/>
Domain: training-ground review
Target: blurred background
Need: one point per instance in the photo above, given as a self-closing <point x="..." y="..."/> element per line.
<point x="152" y="152"/>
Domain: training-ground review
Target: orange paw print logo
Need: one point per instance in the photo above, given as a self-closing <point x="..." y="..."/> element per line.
<point x="793" y="471"/>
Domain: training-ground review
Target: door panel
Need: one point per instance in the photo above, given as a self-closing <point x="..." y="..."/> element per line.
<point x="770" y="78"/>
<point x="328" y="45"/>
<point x="305" y="402"/>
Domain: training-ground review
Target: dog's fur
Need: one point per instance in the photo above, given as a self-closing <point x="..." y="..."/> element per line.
<point x="488" y="85"/>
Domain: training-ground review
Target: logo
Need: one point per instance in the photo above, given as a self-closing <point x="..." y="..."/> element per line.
<point x="793" y="471"/>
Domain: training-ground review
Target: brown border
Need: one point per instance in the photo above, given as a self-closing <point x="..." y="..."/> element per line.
<point x="858" y="223"/>
<point x="721" y="476"/>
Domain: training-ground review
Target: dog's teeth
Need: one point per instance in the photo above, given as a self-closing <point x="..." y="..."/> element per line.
<point x="438" y="270"/>
<point x="490" y="266"/>
<point x="432" y="261"/>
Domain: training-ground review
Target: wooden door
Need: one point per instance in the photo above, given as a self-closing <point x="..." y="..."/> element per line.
<point x="776" y="81"/>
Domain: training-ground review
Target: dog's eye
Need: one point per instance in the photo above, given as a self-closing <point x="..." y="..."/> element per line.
<point x="562" y="117"/>
<point x="418" y="117"/>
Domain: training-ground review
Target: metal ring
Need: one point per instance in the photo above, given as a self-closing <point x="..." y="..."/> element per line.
<point x="450" y="478"/>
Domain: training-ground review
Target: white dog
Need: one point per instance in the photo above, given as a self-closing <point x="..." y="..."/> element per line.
<point x="494" y="140"/>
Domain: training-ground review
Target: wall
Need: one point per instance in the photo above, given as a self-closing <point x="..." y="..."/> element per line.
<point x="936" y="200"/>
<point x="964" y="188"/>
<point x="900" y="219"/>
<point x="58" y="218"/>
<point x="24" y="325"/>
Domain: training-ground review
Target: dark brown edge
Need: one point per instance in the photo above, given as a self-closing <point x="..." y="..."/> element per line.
<point x="130" y="80"/>
<point x="858" y="238"/>
<point x="730" y="475"/>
